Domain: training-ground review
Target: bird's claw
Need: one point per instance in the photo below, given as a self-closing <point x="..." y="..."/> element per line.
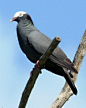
<point x="36" y="65"/>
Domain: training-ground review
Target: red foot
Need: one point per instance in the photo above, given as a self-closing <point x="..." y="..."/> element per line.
<point x="36" y="65"/>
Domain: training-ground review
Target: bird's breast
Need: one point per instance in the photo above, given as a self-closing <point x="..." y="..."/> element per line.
<point x="27" y="48"/>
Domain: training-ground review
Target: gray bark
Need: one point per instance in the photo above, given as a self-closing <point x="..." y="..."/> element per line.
<point x="66" y="92"/>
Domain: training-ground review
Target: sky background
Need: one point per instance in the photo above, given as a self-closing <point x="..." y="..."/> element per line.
<point x="66" y="19"/>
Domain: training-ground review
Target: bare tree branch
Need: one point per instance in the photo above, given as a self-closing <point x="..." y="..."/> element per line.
<point x="31" y="81"/>
<point x="66" y="91"/>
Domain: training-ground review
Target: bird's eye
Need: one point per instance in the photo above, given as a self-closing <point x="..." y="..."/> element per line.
<point x="20" y="15"/>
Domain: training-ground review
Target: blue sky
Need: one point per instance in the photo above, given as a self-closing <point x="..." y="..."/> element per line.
<point x="66" y="19"/>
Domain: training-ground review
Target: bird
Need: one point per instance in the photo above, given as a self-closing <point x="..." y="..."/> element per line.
<point x="34" y="44"/>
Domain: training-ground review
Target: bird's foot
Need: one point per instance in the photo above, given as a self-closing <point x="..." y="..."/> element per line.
<point x="36" y="65"/>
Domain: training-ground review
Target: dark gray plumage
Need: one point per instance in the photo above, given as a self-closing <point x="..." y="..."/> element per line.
<point x="33" y="43"/>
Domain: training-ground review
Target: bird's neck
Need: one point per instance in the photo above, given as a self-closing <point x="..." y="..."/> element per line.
<point x="26" y="24"/>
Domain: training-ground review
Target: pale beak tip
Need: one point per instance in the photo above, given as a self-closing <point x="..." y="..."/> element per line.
<point x="11" y="20"/>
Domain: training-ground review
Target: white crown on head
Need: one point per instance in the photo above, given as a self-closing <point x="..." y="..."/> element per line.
<point x="19" y="14"/>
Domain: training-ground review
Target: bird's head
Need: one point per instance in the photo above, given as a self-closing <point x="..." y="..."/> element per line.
<point x="21" y="15"/>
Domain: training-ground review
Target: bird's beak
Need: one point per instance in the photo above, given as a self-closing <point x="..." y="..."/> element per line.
<point x="13" y="19"/>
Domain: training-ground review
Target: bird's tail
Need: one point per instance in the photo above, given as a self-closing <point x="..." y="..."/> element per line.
<point x="70" y="82"/>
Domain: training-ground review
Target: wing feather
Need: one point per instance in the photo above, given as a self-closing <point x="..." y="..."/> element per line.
<point x="41" y="42"/>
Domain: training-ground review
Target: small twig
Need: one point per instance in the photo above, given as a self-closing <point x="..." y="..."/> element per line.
<point x="31" y="81"/>
<point x="66" y="91"/>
